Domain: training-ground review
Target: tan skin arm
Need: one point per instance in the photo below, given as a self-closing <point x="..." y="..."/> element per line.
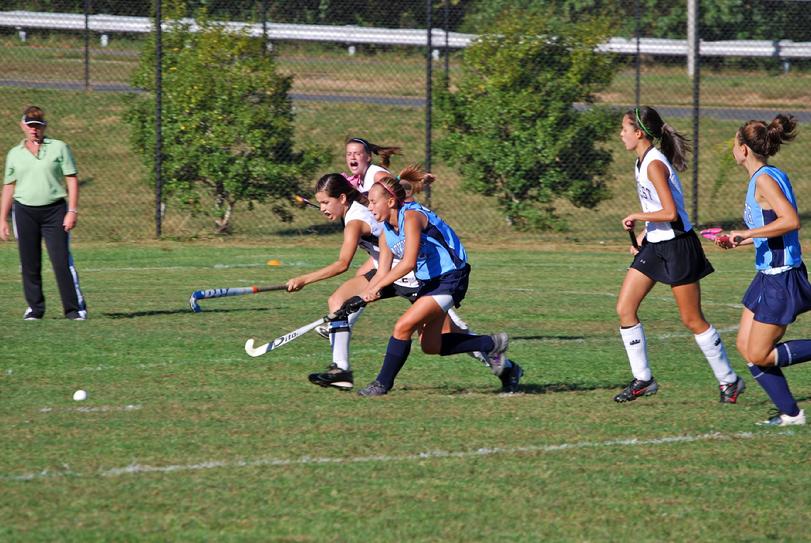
<point x="5" y="209"/>
<point x="769" y="196"/>
<point x="72" y="184"/>
<point x="414" y="224"/>
<point x="352" y="234"/>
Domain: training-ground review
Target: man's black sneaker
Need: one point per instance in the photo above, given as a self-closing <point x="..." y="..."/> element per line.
<point x="636" y="389"/>
<point x="731" y="391"/>
<point x="510" y="378"/>
<point x="333" y="377"/>
<point x="375" y="388"/>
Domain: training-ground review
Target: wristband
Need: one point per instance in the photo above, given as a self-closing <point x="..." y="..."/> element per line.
<point x="75" y="211"/>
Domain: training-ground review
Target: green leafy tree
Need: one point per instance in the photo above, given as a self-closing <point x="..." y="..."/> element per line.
<point x="515" y="126"/>
<point x="227" y="123"/>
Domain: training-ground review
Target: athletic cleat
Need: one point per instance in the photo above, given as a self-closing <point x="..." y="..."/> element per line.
<point x="29" y="315"/>
<point x="496" y="357"/>
<point x="322" y="331"/>
<point x="375" y="388"/>
<point x="636" y="389"/>
<point x="781" y="419"/>
<point x="480" y="357"/>
<point x="731" y="391"/>
<point x="510" y="378"/>
<point x="333" y="377"/>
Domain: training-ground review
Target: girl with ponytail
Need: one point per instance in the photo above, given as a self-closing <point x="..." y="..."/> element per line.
<point x="363" y="173"/>
<point x="780" y="289"/>
<point x="670" y="253"/>
<point x="415" y="239"/>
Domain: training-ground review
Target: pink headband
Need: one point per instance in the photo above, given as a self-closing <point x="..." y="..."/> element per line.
<point x="387" y="189"/>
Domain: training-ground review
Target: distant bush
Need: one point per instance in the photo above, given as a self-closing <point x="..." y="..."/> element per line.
<point x="512" y="129"/>
<point x="227" y="123"/>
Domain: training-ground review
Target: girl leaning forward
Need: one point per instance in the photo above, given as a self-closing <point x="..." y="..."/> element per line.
<point x="670" y="253"/>
<point x="426" y="244"/>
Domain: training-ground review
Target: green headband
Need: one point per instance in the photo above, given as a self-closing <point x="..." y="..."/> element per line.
<point x="642" y="126"/>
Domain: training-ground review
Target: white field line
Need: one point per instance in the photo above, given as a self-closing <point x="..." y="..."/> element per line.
<point x="92" y="409"/>
<point x="137" y="469"/>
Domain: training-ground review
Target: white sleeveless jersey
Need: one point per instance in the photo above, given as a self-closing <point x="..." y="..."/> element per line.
<point x="370" y="242"/>
<point x="660" y="231"/>
<point x="369" y="177"/>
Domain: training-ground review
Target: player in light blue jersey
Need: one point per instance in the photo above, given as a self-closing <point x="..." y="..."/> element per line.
<point x="426" y="244"/>
<point x="669" y="252"/>
<point x="780" y="290"/>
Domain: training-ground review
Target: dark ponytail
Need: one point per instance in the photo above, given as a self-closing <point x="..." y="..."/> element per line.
<point x="335" y="184"/>
<point x="673" y="145"/>
<point x="765" y="140"/>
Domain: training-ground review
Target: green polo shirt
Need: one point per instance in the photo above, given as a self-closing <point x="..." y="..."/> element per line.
<point x="40" y="180"/>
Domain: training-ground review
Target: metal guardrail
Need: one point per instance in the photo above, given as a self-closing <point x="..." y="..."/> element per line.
<point x="355" y="35"/>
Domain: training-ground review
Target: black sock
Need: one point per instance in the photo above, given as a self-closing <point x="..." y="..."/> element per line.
<point x="465" y="343"/>
<point x="393" y="362"/>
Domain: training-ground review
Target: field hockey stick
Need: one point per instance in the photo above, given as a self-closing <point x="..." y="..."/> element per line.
<point x="198" y="295"/>
<point x="350" y="306"/>
<point x="632" y="235"/>
<point x="304" y="201"/>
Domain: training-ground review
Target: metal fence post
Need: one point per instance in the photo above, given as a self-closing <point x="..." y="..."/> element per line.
<point x="86" y="44"/>
<point x="637" y="30"/>
<point x="694" y="69"/>
<point x="264" y="27"/>
<point x="158" y="139"/>
<point x="428" y="95"/>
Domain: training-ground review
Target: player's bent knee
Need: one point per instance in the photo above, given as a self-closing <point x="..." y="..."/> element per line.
<point x="403" y="329"/>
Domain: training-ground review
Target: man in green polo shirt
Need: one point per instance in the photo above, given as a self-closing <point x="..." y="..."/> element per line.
<point x="41" y="190"/>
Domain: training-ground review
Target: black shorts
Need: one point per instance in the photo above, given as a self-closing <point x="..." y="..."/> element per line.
<point x="394" y="290"/>
<point x="678" y="261"/>
<point x="454" y="283"/>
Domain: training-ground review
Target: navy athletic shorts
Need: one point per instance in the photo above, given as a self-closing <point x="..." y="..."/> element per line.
<point x="454" y="283"/>
<point x="393" y="290"/>
<point x="677" y="261"/>
<point x="778" y="299"/>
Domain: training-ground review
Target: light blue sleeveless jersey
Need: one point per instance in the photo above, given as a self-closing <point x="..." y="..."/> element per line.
<point x="772" y="252"/>
<point x="440" y="252"/>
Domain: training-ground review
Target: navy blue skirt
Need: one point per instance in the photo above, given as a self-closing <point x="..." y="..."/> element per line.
<point x="778" y="299"/>
<point x="453" y="283"/>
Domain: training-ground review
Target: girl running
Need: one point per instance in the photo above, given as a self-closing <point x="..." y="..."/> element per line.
<point x="780" y="290"/>
<point x="339" y="200"/>
<point x="425" y="244"/>
<point x="670" y="253"/>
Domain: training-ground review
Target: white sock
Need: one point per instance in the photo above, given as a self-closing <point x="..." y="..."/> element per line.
<point x="353" y="317"/>
<point x="339" y="336"/>
<point x="636" y="346"/>
<point x="713" y="348"/>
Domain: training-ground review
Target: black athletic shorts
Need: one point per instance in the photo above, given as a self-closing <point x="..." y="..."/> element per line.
<point x="390" y="291"/>
<point x="677" y="261"/>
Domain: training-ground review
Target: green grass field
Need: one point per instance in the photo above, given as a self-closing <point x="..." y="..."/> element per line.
<point x="186" y="438"/>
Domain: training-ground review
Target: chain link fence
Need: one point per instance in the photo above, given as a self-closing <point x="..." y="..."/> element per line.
<point x="360" y="68"/>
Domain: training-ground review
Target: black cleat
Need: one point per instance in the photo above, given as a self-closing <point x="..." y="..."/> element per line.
<point x="510" y="378"/>
<point x="333" y="377"/>
<point x="637" y="389"/>
<point x="375" y="388"/>
<point x="731" y="391"/>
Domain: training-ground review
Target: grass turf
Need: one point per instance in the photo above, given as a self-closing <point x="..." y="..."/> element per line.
<point x="185" y="437"/>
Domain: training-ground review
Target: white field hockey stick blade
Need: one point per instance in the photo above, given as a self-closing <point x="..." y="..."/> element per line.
<point x="282" y="340"/>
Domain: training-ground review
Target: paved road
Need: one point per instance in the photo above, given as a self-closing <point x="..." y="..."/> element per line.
<point x="737" y="114"/>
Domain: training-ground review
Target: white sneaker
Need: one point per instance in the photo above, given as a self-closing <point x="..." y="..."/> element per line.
<point x="784" y="420"/>
<point x="29" y="315"/>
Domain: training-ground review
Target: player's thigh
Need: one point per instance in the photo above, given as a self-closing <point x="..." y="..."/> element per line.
<point x="635" y="287"/>
<point x="422" y="313"/>
<point x="351" y="287"/>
